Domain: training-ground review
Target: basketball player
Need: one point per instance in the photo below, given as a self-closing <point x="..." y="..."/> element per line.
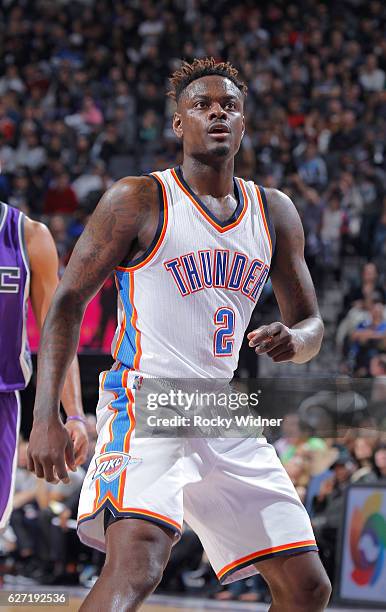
<point x="28" y="268"/>
<point x="191" y="248"/>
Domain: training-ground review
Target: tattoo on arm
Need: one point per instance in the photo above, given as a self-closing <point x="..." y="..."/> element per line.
<point x="104" y="243"/>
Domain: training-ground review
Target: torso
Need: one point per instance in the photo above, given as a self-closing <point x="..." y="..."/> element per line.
<point x="208" y="264"/>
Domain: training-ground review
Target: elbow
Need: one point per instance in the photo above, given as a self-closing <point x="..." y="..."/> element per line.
<point x="67" y="303"/>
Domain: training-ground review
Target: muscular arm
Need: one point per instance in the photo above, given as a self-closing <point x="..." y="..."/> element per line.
<point x="299" y="336"/>
<point x="44" y="281"/>
<point x="104" y="243"/>
<point x="120" y="217"/>
<point x="291" y="279"/>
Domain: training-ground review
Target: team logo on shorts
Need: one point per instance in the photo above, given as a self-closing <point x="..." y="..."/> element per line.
<point x="110" y="465"/>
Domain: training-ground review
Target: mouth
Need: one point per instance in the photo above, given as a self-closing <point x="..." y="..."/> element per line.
<point x="219" y="130"/>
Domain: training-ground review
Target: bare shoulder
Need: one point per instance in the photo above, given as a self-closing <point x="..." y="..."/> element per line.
<point x="121" y="214"/>
<point x="35" y="230"/>
<point x="126" y="206"/>
<point x="283" y="212"/>
<point x="41" y="249"/>
<point x="134" y="192"/>
<point x="38" y="238"/>
<point x="278" y="199"/>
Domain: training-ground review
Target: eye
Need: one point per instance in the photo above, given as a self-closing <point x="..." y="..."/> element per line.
<point x="231" y="105"/>
<point x="200" y="104"/>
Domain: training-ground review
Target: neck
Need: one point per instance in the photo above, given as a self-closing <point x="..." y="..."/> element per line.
<point x="216" y="180"/>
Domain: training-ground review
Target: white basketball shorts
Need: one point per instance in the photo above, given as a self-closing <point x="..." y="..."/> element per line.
<point x="234" y="493"/>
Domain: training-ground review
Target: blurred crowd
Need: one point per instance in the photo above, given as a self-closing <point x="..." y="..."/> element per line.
<point x="82" y="103"/>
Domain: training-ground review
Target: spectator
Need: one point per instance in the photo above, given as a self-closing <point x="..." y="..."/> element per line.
<point x="149" y="132"/>
<point x="301" y="439"/>
<point x="11" y="80"/>
<point x="60" y="197"/>
<point x="20" y="191"/>
<point x="298" y="469"/>
<point x="95" y="179"/>
<point x="58" y="228"/>
<point x="368" y="340"/>
<point x="332" y="227"/>
<point x="372" y="78"/>
<point x="7" y="123"/>
<point x="313" y="169"/>
<point x="378" y="244"/>
<point x="380" y="460"/>
<point x="290" y="433"/>
<point x="358" y="314"/>
<point x="364" y="455"/>
<point x="378" y="372"/>
<point x="79" y="159"/>
<point x="30" y="153"/>
<point x="108" y="144"/>
<point x="364" y="287"/>
<point x="328" y="508"/>
<point x="91" y="114"/>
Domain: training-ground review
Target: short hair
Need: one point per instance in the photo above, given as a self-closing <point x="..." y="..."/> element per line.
<point x="208" y="66"/>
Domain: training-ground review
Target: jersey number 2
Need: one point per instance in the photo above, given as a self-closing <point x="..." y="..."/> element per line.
<point x="223" y="339"/>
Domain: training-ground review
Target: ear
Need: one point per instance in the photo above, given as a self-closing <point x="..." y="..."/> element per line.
<point x="177" y="125"/>
<point x="242" y="133"/>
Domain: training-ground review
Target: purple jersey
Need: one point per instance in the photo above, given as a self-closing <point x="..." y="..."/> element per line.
<point x="15" y="359"/>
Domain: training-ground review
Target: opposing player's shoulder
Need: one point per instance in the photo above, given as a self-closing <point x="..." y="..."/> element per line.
<point x="282" y="211"/>
<point x="35" y="231"/>
<point x="38" y="240"/>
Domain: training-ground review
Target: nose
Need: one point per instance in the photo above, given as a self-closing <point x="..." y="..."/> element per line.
<point x="216" y="111"/>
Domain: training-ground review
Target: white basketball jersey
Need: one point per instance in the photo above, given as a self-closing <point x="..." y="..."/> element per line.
<point x="184" y="306"/>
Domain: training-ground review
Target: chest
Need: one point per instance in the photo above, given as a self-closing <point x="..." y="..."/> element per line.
<point x="220" y="208"/>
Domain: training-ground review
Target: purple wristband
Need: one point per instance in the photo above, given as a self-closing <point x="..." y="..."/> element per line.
<point x="76" y="418"/>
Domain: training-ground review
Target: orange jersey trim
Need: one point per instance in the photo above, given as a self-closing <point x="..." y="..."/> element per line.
<point x="104" y="380"/>
<point x="218" y="227"/>
<point x="264" y="218"/>
<point x="161" y="237"/>
<point x="261" y="553"/>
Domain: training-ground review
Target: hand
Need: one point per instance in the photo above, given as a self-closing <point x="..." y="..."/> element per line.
<point x="277" y="340"/>
<point x="50" y="451"/>
<point x="79" y="437"/>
